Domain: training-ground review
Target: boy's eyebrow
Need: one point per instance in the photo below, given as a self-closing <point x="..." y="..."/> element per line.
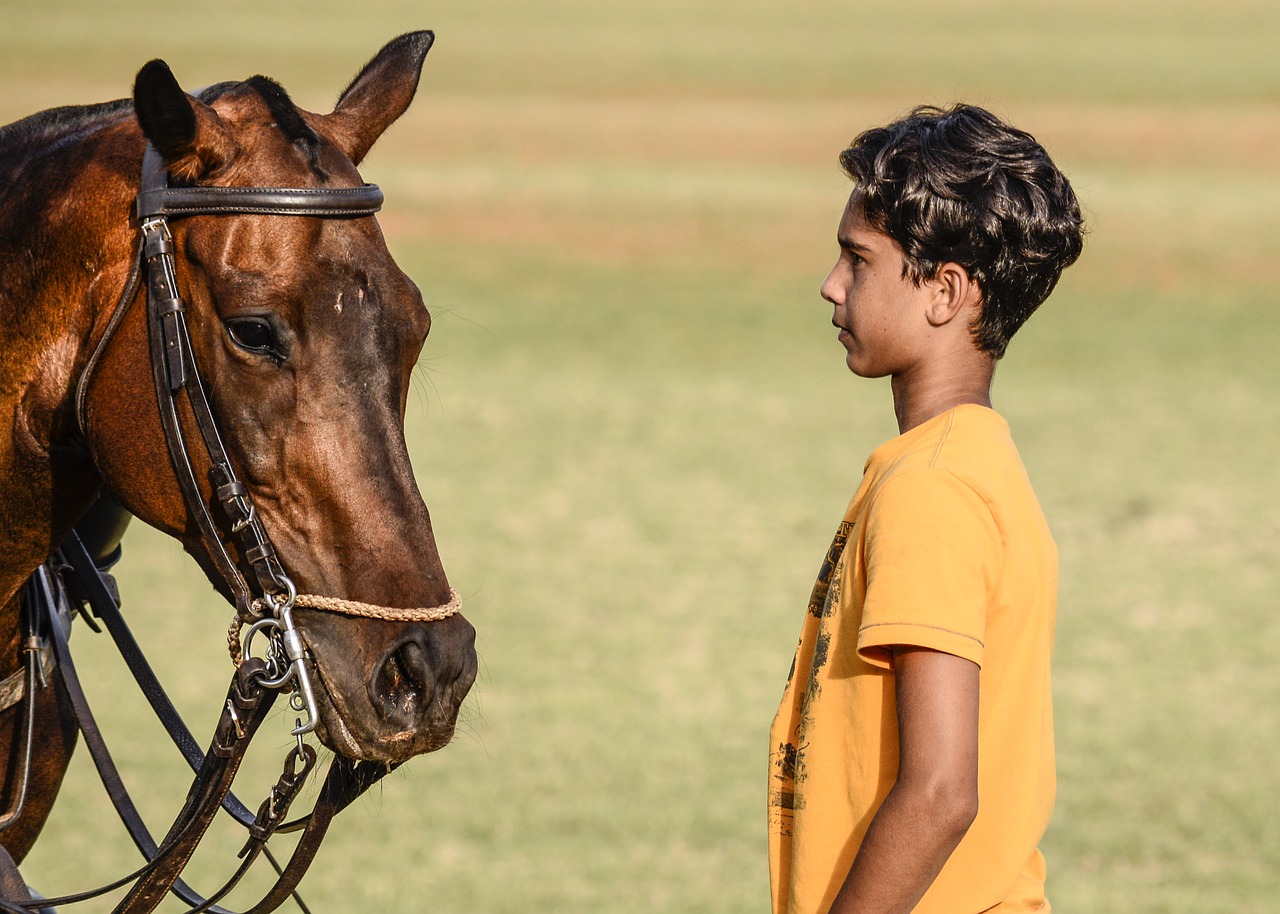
<point x="848" y="244"/>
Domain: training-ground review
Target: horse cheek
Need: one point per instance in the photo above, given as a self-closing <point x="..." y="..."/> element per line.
<point x="122" y="423"/>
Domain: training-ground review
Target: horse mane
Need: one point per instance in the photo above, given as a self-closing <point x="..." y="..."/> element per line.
<point x="49" y="126"/>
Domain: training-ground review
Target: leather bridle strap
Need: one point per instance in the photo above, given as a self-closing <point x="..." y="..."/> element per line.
<point x="158" y="199"/>
<point x="173" y="369"/>
<point x="37" y="662"/>
<point x="345" y="782"/>
<point x="127" y="295"/>
<point x="246" y="707"/>
<point x="104" y="607"/>
<point x="173" y="364"/>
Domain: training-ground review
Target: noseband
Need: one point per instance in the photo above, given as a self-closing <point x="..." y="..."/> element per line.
<point x="265" y="605"/>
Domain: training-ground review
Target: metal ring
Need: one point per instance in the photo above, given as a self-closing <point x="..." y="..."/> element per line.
<point x="280" y="680"/>
<point x="291" y="594"/>
<point x="247" y="640"/>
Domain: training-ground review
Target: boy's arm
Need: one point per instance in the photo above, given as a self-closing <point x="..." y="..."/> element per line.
<point x="935" y="798"/>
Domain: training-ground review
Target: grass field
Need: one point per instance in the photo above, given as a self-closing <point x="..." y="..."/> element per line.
<point x="636" y="433"/>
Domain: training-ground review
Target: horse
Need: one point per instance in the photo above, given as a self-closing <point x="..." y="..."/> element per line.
<point x="303" y="330"/>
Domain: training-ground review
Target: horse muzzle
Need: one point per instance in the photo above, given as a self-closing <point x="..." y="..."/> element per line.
<point x="404" y="700"/>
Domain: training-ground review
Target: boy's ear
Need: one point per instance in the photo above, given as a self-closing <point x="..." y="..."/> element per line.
<point x="955" y="292"/>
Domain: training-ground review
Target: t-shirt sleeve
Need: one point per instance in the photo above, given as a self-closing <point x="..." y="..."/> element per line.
<point x="933" y="557"/>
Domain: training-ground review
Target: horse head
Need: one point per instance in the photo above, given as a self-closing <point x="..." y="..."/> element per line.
<point x="305" y="332"/>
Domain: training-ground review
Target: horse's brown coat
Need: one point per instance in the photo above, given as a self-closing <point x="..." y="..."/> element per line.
<point x="315" y="428"/>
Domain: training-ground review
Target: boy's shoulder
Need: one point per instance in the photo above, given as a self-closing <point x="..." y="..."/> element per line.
<point x="963" y="440"/>
<point x="968" y="448"/>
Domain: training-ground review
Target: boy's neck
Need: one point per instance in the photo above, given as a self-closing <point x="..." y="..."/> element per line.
<point x="917" y="397"/>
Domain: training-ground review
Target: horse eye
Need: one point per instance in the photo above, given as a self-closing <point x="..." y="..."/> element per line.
<point x="251" y="333"/>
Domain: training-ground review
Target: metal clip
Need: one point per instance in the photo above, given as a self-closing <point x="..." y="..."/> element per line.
<point x="33" y="646"/>
<point x="235" y="719"/>
<point x="286" y="656"/>
<point x="297" y="765"/>
<point x="247" y="518"/>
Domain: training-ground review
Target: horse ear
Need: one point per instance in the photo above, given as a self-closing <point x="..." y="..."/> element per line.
<point x="380" y="94"/>
<point x="188" y="134"/>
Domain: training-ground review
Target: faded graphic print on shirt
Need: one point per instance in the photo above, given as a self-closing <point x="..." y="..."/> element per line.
<point x="787" y="757"/>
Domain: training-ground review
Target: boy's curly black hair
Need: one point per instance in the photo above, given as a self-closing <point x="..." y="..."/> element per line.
<point x="961" y="186"/>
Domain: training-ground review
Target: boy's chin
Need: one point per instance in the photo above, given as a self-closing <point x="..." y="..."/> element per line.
<point x="861" y="369"/>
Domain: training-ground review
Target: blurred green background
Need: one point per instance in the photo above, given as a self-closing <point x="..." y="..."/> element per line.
<point x="636" y="433"/>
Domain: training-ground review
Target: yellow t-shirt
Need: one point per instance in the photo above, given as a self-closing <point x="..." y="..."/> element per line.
<point x="944" y="547"/>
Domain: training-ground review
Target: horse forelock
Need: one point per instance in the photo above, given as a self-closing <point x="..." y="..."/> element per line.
<point x="288" y="118"/>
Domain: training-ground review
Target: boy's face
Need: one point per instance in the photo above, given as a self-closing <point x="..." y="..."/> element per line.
<point x="878" y="310"/>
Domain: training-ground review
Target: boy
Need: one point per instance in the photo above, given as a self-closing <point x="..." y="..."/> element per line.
<point x="912" y="756"/>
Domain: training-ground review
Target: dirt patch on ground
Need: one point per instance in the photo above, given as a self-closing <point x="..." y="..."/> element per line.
<point x="755" y="182"/>
<point x="771" y="244"/>
<point x="811" y="133"/>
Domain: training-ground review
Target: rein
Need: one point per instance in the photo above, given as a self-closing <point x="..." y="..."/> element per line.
<point x="264" y="598"/>
<point x="71" y="581"/>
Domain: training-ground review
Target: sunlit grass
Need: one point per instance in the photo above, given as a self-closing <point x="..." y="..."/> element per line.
<point x="636" y="434"/>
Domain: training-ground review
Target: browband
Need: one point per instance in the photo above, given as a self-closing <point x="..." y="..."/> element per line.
<point x="157" y="198"/>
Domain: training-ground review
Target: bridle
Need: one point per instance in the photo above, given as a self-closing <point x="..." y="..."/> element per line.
<point x="264" y="598"/>
<point x="173" y="370"/>
<point x="269" y="611"/>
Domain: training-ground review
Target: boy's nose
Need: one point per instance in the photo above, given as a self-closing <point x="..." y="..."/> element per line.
<point x="830" y="289"/>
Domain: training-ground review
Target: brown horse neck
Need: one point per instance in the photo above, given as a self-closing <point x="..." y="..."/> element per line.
<point x="65" y="249"/>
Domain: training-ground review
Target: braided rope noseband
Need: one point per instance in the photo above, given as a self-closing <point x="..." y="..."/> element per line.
<point x="370" y="611"/>
<point x="346" y="608"/>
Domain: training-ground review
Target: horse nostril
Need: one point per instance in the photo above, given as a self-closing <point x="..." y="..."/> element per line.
<point x="405" y="676"/>
<point x="416" y="664"/>
<point x="422" y="681"/>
